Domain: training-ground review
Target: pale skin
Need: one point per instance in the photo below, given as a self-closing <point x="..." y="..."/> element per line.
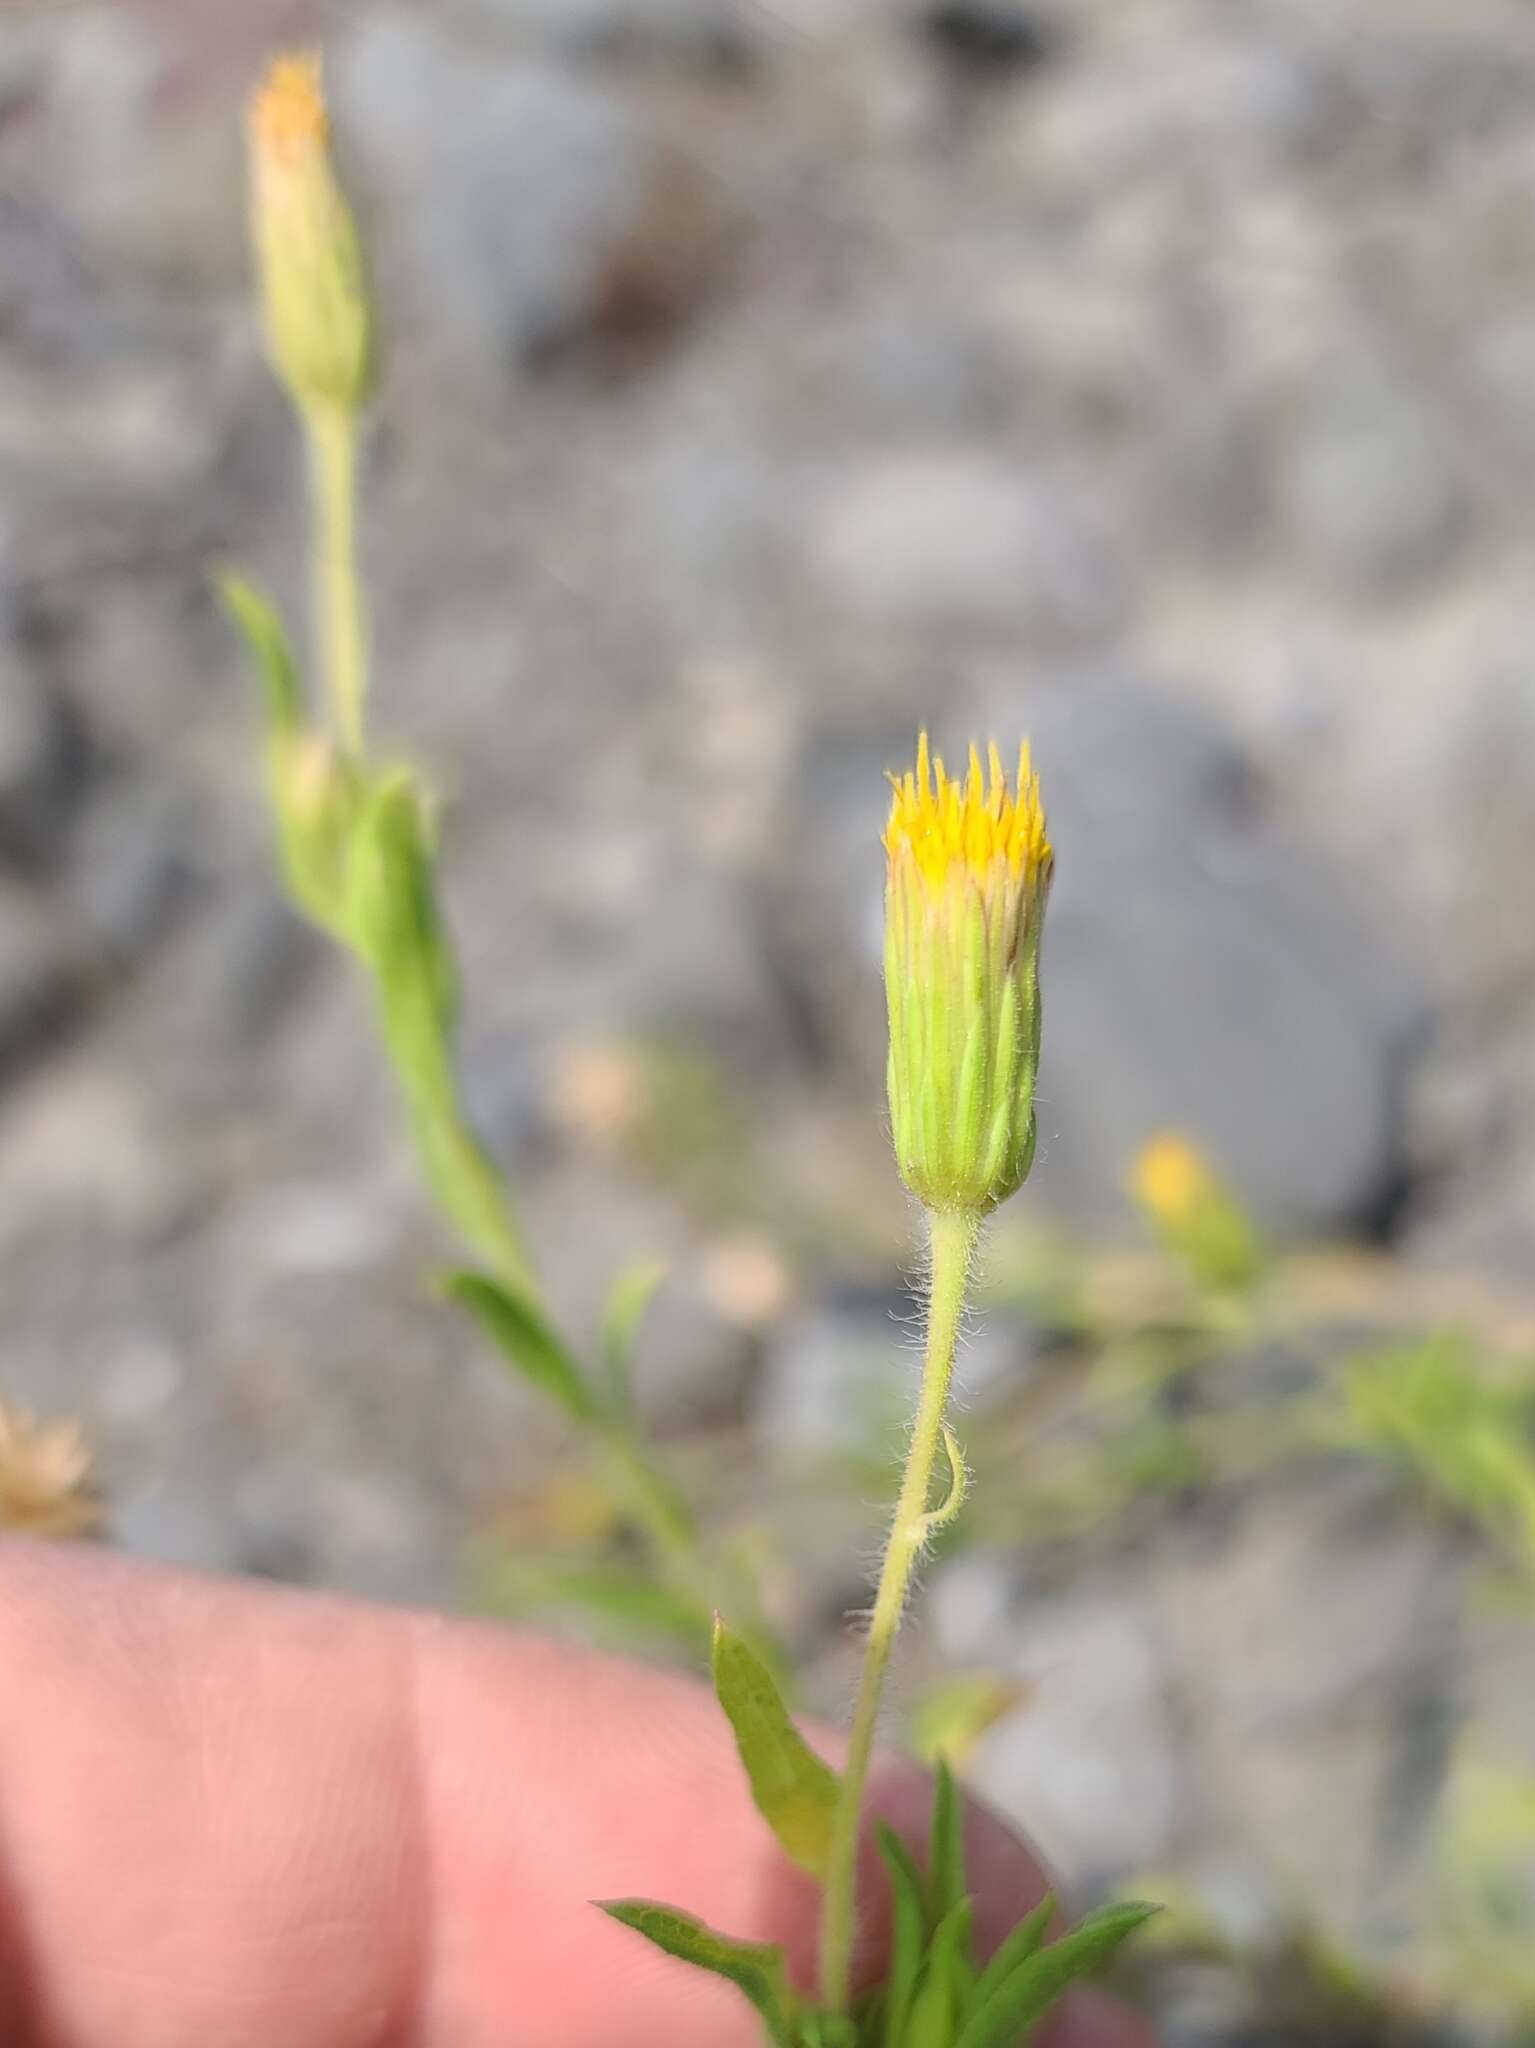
<point x="235" y="1815"/>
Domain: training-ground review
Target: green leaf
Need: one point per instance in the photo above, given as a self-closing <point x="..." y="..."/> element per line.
<point x="631" y="1605"/>
<point x="628" y="1299"/>
<point x="392" y="911"/>
<point x="523" y="1337"/>
<point x="827" y="2030"/>
<point x="1017" y="1948"/>
<point x="946" y="1856"/>
<point x="943" y="1985"/>
<point x="1022" y="1998"/>
<point x="256" y="619"/>
<point x="795" y="1792"/>
<point x="908" y="1934"/>
<point x="312" y="794"/>
<point x="951" y="1717"/>
<point x="391" y="919"/>
<point x="754" y="1968"/>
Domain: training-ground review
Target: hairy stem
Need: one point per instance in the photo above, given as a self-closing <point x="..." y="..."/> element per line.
<point x="953" y="1236"/>
<point x="339" y="636"/>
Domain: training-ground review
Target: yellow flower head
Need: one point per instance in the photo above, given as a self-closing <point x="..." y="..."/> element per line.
<point x="968" y="870"/>
<point x="314" y="293"/>
<point x="945" y="822"/>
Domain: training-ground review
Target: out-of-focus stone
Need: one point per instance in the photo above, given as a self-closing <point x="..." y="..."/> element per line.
<point x="42" y="973"/>
<point x="711" y="33"/>
<point x="1090" y="1764"/>
<point x="1203" y="976"/>
<point x="1367" y="479"/>
<point x="954" y="539"/>
<point x="44" y="763"/>
<point x="130" y="870"/>
<point x="841" y="1379"/>
<point x="1000" y="36"/>
<point x="534" y="204"/>
<point x="81" y="1149"/>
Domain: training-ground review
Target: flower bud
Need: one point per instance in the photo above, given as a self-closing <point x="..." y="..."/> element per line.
<point x="969" y="868"/>
<point x="314" y="292"/>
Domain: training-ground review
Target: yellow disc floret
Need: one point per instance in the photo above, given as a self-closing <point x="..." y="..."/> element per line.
<point x="972" y="822"/>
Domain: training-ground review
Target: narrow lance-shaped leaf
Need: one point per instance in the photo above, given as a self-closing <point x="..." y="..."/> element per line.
<point x="827" y="2030"/>
<point x="943" y="1984"/>
<point x="1011" y="2007"/>
<point x="1016" y="1949"/>
<point x="523" y="1337"/>
<point x="628" y="1299"/>
<point x="260" y="626"/>
<point x="312" y="795"/>
<point x="392" y="906"/>
<point x="754" y="1969"/>
<point x="392" y="920"/>
<point x="946" y="1855"/>
<point x="795" y="1792"/>
<point x="908" y="1935"/>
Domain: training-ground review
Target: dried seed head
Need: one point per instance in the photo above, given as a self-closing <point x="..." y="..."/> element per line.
<point x="45" y="1477"/>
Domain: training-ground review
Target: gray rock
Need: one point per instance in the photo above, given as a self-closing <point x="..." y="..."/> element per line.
<point x="44" y="754"/>
<point x="51" y="305"/>
<point x="988" y="35"/>
<point x="363" y="1532"/>
<point x="263" y="953"/>
<point x="1203" y="976"/>
<point x="1090" y="1765"/>
<point x="970" y="1605"/>
<point x="906" y="365"/>
<point x="709" y="512"/>
<point x="1367" y="481"/>
<point x="86" y="1151"/>
<point x="42" y="974"/>
<point x="533" y="203"/>
<point x="840" y="1380"/>
<point x="130" y="869"/>
<point x="708" y="32"/>
<point x="951" y="538"/>
<point x="151" y="171"/>
<point x="1501" y="367"/>
<point x="1321" y="1670"/>
<point x="189" y="1528"/>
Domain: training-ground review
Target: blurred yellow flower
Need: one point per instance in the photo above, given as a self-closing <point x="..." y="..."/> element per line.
<point x="1198" y="1217"/>
<point x="968" y="870"/>
<point x="1170" y="1177"/>
<point x="45" y="1477"/>
<point x="288" y="112"/>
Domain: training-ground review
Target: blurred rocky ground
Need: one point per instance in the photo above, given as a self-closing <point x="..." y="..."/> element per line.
<point x="763" y="378"/>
